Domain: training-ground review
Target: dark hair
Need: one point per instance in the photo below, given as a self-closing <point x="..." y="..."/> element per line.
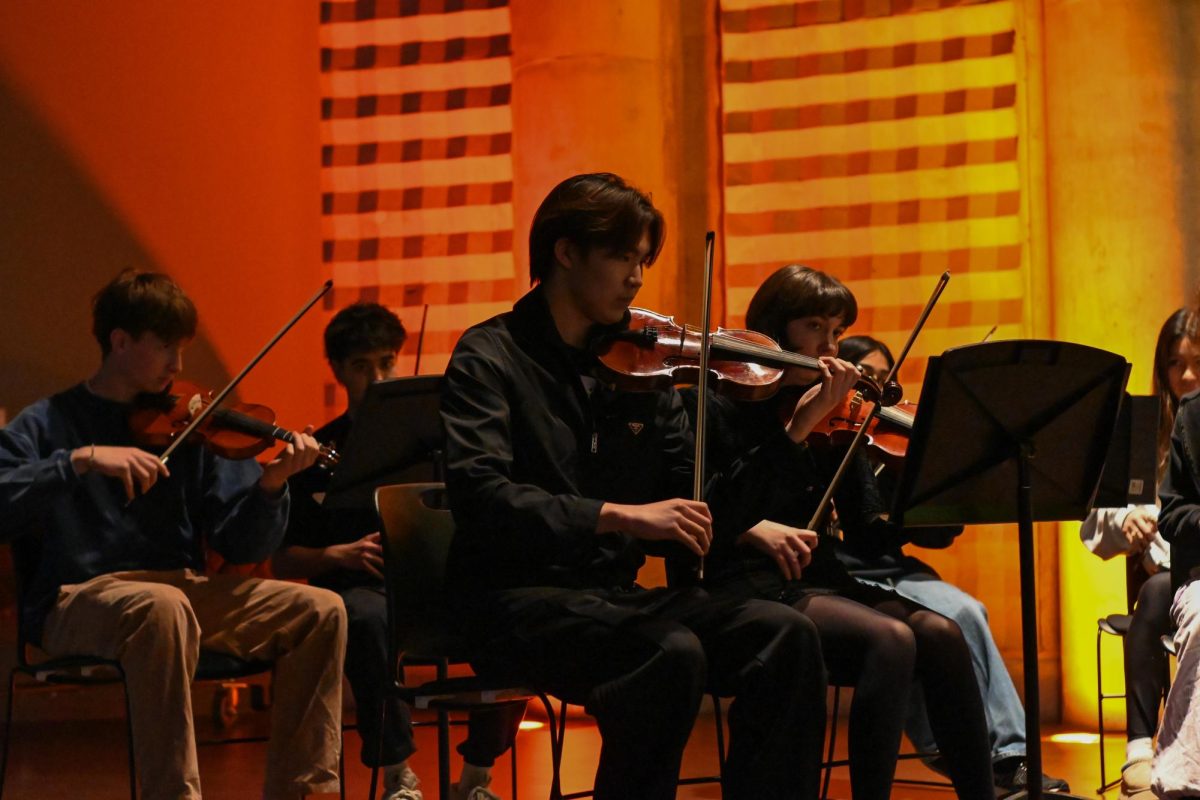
<point x="797" y="291"/>
<point x="590" y="211"/>
<point x="140" y="302"/>
<point x="1181" y="323"/>
<point x="362" y="328"/>
<point x="855" y="348"/>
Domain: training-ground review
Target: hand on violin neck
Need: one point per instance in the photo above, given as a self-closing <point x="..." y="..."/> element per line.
<point x="687" y="522"/>
<point x="790" y="548"/>
<point x="299" y="455"/>
<point x="135" y="468"/>
<point x="837" y="379"/>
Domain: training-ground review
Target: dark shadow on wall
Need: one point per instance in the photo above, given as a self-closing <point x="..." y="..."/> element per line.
<point x="60" y="240"/>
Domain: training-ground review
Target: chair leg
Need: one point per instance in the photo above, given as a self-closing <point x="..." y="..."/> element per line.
<point x="556" y="742"/>
<point x="513" y="755"/>
<point x="129" y="738"/>
<point x="443" y="734"/>
<point x="12" y="680"/>
<point x="1100" y="708"/>
<point x="717" y="717"/>
<point x="837" y="699"/>
<point x="383" y="718"/>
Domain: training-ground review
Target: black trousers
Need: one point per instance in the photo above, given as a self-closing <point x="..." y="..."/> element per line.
<point x="640" y="661"/>
<point x="489" y="733"/>
<point x="1147" y="671"/>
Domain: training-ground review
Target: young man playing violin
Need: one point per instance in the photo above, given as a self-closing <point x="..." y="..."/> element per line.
<point x="560" y="485"/>
<point x="108" y="543"/>
<point x="340" y="551"/>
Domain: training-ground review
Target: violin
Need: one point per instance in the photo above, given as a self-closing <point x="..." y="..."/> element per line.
<point x="654" y="352"/>
<point x="887" y="432"/>
<point x="235" y="431"/>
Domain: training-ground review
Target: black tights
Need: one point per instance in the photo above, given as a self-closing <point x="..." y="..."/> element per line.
<point x="1146" y="668"/>
<point x="878" y="648"/>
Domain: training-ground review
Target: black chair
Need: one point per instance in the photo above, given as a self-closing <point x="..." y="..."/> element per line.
<point x="417" y="529"/>
<point x="831" y="763"/>
<point x="1115" y="625"/>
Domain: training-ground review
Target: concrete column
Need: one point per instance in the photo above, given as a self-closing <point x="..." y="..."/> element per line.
<point x="1120" y="122"/>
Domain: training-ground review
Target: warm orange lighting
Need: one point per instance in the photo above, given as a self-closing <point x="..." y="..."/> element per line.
<point x="531" y="725"/>
<point x="1074" y="738"/>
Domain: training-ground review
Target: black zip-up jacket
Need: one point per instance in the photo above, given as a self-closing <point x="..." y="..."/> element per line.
<point x="531" y="456"/>
<point x="1179" y="493"/>
<point x="739" y="432"/>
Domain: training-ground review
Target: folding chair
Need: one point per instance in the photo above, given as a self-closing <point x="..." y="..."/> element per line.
<point x="417" y="529"/>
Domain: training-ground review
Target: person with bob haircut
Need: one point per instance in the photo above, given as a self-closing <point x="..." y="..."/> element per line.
<point x="109" y="542"/>
<point x="871" y="637"/>
<point x="560" y="485"/>
<point x="340" y="550"/>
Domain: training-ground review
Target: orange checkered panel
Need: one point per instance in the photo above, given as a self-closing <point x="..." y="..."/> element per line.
<point x="877" y="140"/>
<point x="416" y="161"/>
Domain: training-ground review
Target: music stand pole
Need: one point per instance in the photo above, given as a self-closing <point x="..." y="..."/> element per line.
<point x="1029" y="647"/>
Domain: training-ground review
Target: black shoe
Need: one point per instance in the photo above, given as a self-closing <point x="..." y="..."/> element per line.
<point x="1012" y="775"/>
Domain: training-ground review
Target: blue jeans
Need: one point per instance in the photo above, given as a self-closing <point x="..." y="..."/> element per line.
<point x="1005" y="714"/>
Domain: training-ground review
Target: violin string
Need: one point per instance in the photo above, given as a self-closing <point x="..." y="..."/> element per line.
<point x="742" y="347"/>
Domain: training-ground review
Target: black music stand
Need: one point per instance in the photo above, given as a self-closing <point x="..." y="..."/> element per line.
<point x="1012" y="431"/>
<point x="396" y="438"/>
<point x="1130" y="474"/>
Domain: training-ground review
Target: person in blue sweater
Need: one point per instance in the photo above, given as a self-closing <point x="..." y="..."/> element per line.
<point x="109" y="546"/>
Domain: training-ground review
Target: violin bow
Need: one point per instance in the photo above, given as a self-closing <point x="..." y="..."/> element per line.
<point x="216" y="401"/>
<point x="702" y="384"/>
<point x="823" y="507"/>
<point x="421" y="340"/>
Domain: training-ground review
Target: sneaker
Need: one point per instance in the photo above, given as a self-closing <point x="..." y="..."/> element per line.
<point x="475" y="793"/>
<point x="1135" y="781"/>
<point x="1012" y="776"/>
<point x="407" y="786"/>
<point x="403" y="793"/>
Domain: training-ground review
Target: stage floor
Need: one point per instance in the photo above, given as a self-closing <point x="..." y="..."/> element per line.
<point x="85" y="760"/>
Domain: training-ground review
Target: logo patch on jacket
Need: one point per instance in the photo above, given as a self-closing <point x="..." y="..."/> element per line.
<point x="636" y="427"/>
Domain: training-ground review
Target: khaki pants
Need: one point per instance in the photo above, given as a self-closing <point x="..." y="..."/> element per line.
<point x="155" y="622"/>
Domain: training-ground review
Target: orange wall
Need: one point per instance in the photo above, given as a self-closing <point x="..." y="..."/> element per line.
<point x="179" y="137"/>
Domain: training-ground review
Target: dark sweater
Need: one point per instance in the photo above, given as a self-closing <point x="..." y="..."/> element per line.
<point x="68" y="528"/>
<point x="1179" y="520"/>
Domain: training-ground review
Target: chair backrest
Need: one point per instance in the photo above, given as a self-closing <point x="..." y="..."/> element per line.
<point x="416" y="528"/>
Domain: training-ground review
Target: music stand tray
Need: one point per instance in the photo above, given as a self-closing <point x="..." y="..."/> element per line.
<point x="1012" y="431"/>
<point x="396" y="438"/>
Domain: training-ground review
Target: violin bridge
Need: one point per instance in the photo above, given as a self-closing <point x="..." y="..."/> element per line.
<point x="856" y="406"/>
